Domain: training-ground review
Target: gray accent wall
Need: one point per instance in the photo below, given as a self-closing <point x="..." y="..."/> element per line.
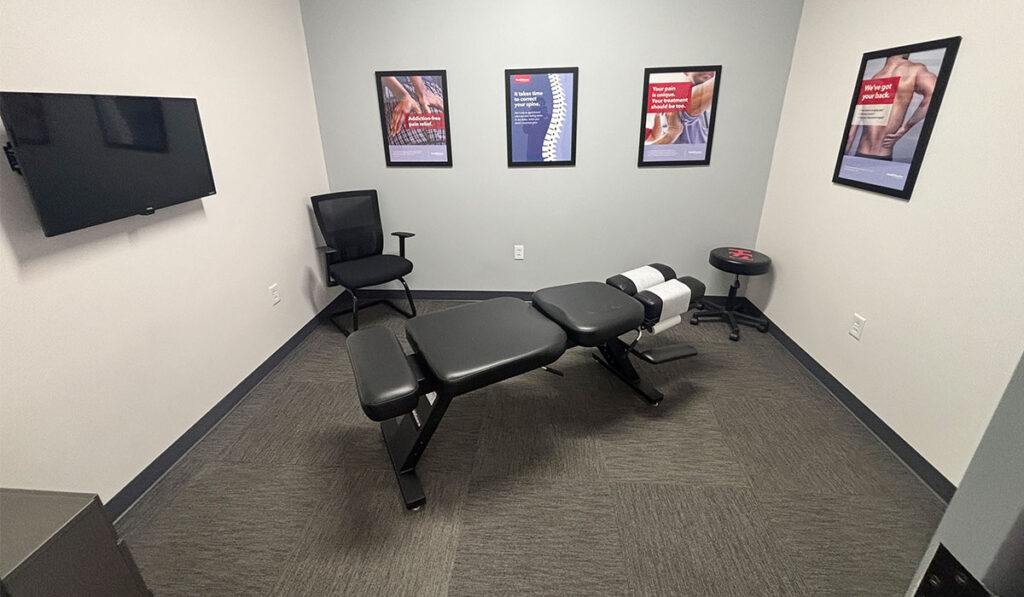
<point x="604" y="215"/>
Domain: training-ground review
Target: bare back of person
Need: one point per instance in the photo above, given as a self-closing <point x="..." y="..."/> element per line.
<point x="914" y="78"/>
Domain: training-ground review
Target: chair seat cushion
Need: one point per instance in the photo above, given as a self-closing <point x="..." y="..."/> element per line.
<point x="591" y="312"/>
<point x="745" y="262"/>
<point x="474" y="345"/>
<point x="369" y="271"/>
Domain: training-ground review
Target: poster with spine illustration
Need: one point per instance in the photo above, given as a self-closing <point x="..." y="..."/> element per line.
<point x="540" y="116"/>
<point x="677" y="119"/>
<point x="892" y="113"/>
<point x="414" y="117"/>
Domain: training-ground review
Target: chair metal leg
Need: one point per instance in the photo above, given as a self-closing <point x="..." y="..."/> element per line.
<point x="355" y="312"/>
<point x="334" y="317"/>
<point x="354" y="309"/>
<point x="408" y="295"/>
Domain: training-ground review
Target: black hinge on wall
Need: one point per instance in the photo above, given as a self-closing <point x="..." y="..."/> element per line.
<point x="12" y="158"/>
<point x="947" y="577"/>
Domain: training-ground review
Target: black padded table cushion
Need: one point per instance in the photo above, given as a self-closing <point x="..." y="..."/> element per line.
<point x="591" y="312"/>
<point x="471" y="346"/>
<point x="386" y="384"/>
<point x="745" y="262"/>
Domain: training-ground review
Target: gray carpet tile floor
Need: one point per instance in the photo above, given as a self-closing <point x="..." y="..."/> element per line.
<point x="750" y="479"/>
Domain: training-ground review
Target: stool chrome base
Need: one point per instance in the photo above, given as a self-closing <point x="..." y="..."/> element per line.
<point x="729" y="312"/>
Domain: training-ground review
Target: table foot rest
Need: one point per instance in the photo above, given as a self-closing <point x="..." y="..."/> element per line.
<point x="666" y="354"/>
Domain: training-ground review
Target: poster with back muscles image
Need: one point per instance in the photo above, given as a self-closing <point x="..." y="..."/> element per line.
<point x="894" y="107"/>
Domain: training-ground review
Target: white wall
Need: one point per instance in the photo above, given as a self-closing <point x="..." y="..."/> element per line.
<point x="587" y="222"/>
<point x="117" y="338"/>
<point x="939" y="278"/>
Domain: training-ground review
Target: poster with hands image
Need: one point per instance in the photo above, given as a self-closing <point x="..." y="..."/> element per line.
<point x="414" y="117"/>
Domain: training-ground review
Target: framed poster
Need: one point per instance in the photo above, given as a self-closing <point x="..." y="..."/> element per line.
<point x="414" y="117"/>
<point x="677" y="118"/>
<point x="540" y="116"/>
<point x="893" y="110"/>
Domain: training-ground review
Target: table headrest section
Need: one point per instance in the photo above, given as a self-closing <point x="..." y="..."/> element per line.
<point x="665" y="303"/>
<point x="386" y="384"/>
<point x="641" y="278"/>
<point x="697" y="288"/>
<point x="591" y="313"/>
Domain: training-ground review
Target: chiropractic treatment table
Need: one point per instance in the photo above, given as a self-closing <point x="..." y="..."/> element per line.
<point x="465" y="348"/>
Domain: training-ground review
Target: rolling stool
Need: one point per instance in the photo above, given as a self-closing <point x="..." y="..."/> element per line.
<point x="742" y="262"/>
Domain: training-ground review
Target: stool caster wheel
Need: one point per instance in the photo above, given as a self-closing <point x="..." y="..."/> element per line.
<point x="734" y="336"/>
<point x="763" y="327"/>
<point x="694" y="320"/>
<point x="700" y="306"/>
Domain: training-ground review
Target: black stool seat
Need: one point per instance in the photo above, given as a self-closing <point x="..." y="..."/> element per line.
<point x="475" y="345"/>
<point x="743" y="262"/>
<point x="591" y="312"/>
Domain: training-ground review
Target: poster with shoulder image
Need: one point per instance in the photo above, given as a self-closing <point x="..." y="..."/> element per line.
<point x="540" y="116"/>
<point x="677" y="118"/>
<point x="414" y="117"/>
<point x="894" y="106"/>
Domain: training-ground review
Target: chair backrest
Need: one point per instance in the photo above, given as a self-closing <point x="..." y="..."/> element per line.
<point x="350" y="223"/>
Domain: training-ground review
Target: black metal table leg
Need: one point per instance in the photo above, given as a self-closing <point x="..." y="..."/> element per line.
<point x="614" y="355"/>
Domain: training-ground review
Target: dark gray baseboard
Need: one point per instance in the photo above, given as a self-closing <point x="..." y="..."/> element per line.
<point x="892" y="440"/>
<point x="138" y="486"/>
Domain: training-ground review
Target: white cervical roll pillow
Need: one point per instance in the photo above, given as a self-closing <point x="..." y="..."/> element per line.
<point x="675" y="300"/>
<point x="644" y="277"/>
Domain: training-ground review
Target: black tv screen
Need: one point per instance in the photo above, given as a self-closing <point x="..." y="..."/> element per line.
<point x="90" y="159"/>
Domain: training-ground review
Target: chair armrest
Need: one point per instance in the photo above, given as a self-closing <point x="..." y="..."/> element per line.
<point x="329" y="253"/>
<point x="401" y="241"/>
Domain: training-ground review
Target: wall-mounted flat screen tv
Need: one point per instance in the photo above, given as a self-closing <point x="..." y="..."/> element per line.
<point x="90" y="159"/>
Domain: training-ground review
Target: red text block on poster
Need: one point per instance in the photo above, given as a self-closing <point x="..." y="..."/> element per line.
<point x="431" y="120"/>
<point x="668" y="97"/>
<point x="874" y="101"/>
<point x="520" y="78"/>
<point x="878" y="91"/>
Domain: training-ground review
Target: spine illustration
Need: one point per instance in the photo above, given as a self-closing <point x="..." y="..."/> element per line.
<point x="549" y="149"/>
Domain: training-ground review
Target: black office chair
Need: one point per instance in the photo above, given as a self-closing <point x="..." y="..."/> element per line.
<point x="350" y="224"/>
